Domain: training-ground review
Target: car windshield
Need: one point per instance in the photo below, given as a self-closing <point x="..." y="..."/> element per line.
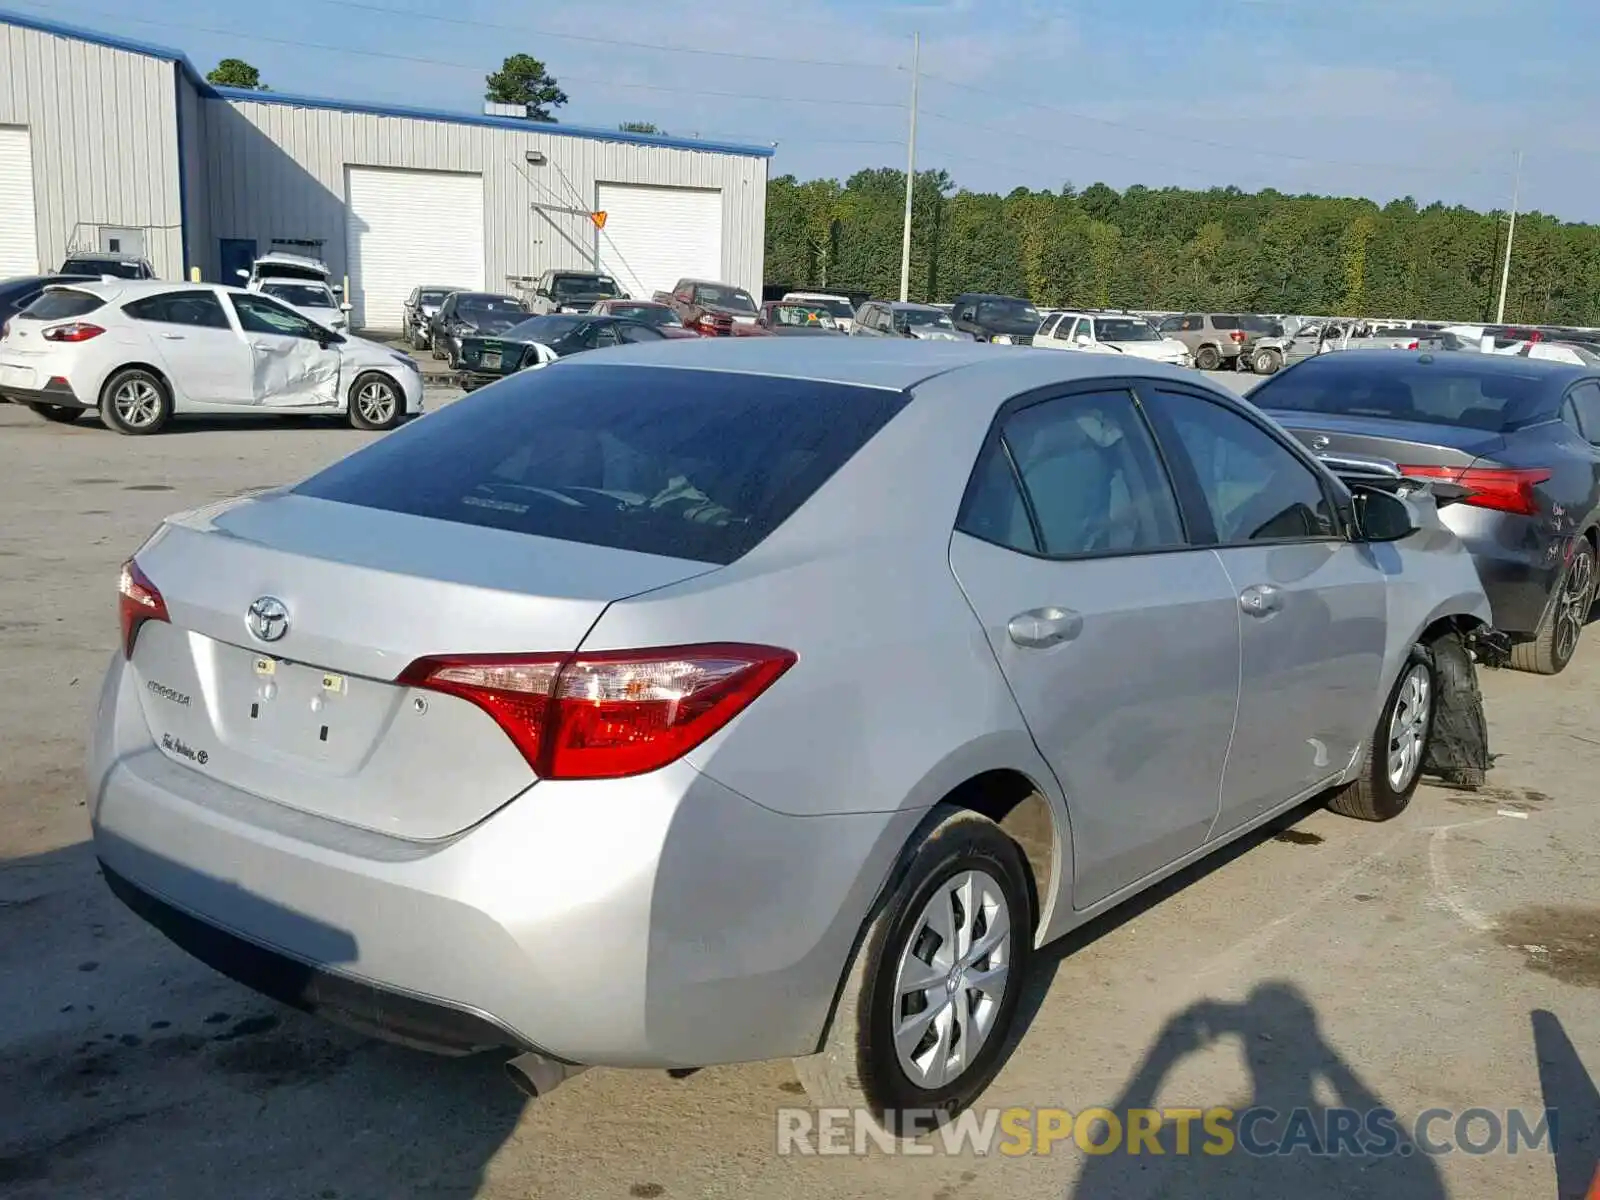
<point x="120" y="267"/>
<point x="648" y="314"/>
<point x="432" y="297"/>
<point x="545" y="329"/>
<point x="839" y="308"/>
<point x="584" y="285"/>
<point x="801" y="315"/>
<point x="1125" y="329"/>
<point x="1008" y="312"/>
<point x="1372" y="383"/>
<point x="301" y="295"/>
<point x="922" y="318"/>
<point x="495" y="308"/>
<point x="711" y="465"/>
<point x="732" y="299"/>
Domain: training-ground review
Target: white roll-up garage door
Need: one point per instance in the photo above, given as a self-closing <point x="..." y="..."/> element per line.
<point x="19" y="246"/>
<point x="405" y="229"/>
<point x="655" y="236"/>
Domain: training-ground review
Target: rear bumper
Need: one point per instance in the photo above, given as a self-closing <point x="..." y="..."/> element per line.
<point x="1519" y="564"/>
<point x="57" y="394"/>
<point x="660" y="921"/>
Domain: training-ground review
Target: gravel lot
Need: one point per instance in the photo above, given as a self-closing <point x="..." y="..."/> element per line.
<point x="1448" y="959"/>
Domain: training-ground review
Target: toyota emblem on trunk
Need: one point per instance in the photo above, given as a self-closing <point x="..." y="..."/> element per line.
<point x="268" y="618"/>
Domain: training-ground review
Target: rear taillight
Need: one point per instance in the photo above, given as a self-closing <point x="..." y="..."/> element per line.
<point x="609" y="714"/>
<point x="5" y="328"/>
<point x="1236" y="336"/>
<point x="72" y="331"/>
<point x="1504" y="489"/>
<point x="1413" y="346"/>
<point x="138" y="601"/>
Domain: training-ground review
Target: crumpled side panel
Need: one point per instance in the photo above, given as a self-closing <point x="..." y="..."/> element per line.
<point x="1458" y="749"/>
<point x="293" y="372"/>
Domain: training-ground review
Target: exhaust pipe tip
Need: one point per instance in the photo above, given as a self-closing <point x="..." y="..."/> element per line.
<point x="535" y="1075"/>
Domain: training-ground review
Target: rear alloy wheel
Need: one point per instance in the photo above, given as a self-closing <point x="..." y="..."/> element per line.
<point x="61" y="414"/>
<point x="1393" y="764"/>
<point x="135" y="401"/>
<point x="1207" y="358"/>
<point x="924" y="1018"/>
<point x="375" y="402"/>
<point x="1556" y="642"/>
<point x="1266" y="362"/>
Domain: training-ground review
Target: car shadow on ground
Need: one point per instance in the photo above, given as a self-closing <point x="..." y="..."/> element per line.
<point x="129" y="1069"/>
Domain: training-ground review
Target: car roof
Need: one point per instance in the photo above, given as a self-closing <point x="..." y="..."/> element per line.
<point x="909" y="305"/>
<point x="132" y="289"/>
<point x="893" y="363"/>
<point x="1558" y="374"/>
<point x="105" y="256"/>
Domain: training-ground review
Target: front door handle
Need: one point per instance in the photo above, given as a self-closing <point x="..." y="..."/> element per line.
<point x="173" y="337"/>
<point x="1041" y="628"/>
<point x="1260" y="600"/>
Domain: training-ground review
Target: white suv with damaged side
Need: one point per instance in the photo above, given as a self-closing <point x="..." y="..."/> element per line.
<point x="145" y="351"/>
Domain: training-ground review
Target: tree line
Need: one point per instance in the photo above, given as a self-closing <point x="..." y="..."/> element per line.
<point x="1173" y="248"/>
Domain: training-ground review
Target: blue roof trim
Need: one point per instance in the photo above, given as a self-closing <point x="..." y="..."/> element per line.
<point x="381" y="110"/>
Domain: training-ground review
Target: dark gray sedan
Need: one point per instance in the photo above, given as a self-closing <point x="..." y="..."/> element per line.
<point x="1519" y="437"/>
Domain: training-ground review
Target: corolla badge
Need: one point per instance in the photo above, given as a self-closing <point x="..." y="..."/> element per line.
<point x="1319" y="442"/>
<point x="268" y="618"/>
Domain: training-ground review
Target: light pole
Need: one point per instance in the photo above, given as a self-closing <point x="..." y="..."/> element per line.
<point x="911" y="173"/>
<point x="1511" y="230"/>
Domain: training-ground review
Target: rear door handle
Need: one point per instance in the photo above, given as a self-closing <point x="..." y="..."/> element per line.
<point x="1041" y="628"/>
<point x="1260" y="600"/>
<point x="173" y="337"/>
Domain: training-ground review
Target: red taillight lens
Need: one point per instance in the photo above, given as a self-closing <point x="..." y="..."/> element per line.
<point x="72" y="331"/>
<point x="1413" y="346"/>
<point x="1504" y="489"/>
<point x="138" y="601"/>
<point x="1236" y="336"/>
<point x="608" y="715"/>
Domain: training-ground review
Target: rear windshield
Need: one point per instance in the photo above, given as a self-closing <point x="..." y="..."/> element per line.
<point x="57" y="304"/>
<point x="1262" y="325"/>
<point x="123" y="268"/>
<point x="1344" y="385"/>
<point x="1223" y="321"/>
<point x="584" y="285"/>
<point x="699" y="465"/>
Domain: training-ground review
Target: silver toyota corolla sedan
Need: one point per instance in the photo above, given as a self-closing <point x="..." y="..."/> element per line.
<point x="727" y="701"/>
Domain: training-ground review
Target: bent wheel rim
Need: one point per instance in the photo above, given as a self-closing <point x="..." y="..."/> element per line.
<point x="1408" y="727"/>
<point x="137" y="403"/>
<point x="1572" y="611"/>
<point x="375" y="402"/>
<point x="951" y="978"/>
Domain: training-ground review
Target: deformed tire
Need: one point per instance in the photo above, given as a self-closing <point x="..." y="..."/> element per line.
<point x="1266" y="362"/>
<point x="61" y="414"/>
<point x="924" y="1018"/>
<point x="1207" y="358"/>
<point x="1556" y="642"/>
<point x="1393" y="763"/>
<point x="135" y="401"/>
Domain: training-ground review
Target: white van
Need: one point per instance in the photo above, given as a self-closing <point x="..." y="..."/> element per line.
<point x="302" y="284"/>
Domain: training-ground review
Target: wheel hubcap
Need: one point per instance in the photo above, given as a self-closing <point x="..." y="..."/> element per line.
<point x="376" y="402"/>
<point x="1577" y="597"/>
<point x="951" y="978"/>
<point x="1408" y="728"/>
<point x="137" y="403"/>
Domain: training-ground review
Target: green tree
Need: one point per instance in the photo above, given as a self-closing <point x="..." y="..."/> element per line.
<point x="640" y="127"/>
<point x="522" y="79"/>
<point x="236" y="73"/>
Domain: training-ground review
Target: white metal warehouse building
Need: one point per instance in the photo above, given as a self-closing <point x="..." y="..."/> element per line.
<point x="107" y="144"/>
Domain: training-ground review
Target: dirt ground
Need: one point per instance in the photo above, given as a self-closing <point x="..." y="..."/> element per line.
<point x="1449" y="959"/>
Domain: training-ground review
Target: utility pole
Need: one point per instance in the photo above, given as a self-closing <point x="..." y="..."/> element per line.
<point x="1511" y="231"/>
<point x="911" y="173"/>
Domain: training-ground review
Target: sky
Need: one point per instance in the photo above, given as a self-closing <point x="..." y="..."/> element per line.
<point x="1377" y="98"/>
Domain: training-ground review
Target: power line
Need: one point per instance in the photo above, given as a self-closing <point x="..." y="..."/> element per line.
<point x="477" y="68"/>
<point x="532" y="31"/>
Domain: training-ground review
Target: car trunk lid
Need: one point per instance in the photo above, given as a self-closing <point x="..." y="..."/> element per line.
<point x="313" y="717"/>
<point x="1420" y="443"/>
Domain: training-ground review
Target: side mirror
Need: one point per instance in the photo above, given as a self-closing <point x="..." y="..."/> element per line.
<point x="1082" y="339"/>
<point x="242" y="274"/>
<point x="542" y="293"/>
<point x="346" y="306"/>
<point x="1382" y="516"/>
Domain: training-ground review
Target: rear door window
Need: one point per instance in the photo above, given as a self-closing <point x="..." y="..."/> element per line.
<point x="1224" y="322"/>
<point x="1586" y="400"/>
<point x="58" y="304"/>
<point x="180" y="308"/>
<point x="700" y="465"/>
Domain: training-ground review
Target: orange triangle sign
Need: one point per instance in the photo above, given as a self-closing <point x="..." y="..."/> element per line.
<point x="599" y="219"/>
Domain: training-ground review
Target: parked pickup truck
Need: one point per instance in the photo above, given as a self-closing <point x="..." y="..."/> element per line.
<point x="710" y="309"/>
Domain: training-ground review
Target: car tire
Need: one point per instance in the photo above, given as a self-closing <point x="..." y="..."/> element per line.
<point x="61" y="414"/>
<point x="1385" y="786"/>
<point x="135" y="401"/>
<point x="1556" y="641"/>
<point x="1207" y="358"/>
<point x="860" y="1065"/>
<point x="377" y="402"/>
<point x="1266" y="362"/>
